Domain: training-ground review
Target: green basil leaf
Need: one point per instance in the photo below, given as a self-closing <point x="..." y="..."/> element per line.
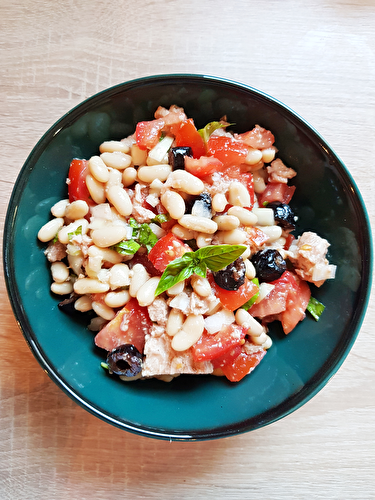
<point x="126" y="247"/>
<point x="217" y="257"/>
<point x="253" y="299"/>
<point x="201" y="270"/>
<point x="168" y="280"/>
<point x="75" y="233"/>
<point x="146" y="237"/>
<point x="206" y="131"/>
<point x="133" y="223"/>
<point x="315" y="308"/>
<point x="160" y="218"/>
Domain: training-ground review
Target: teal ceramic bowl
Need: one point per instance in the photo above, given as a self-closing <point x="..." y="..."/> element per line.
<point x="191" y="408"/>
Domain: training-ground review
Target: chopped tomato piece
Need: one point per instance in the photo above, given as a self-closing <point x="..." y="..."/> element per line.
<point x="210" y="347"/>
<point x="233" y="299"/>
<point x="258" y="138"/>
<point x="129" y="326"/>
<point x="205" y="165"/>
<point x="287" y="302"/>
<point x="277" y="191"/>
<point x="147" y="134"/>
<point x="186" y="134"/>
<point x="167" y="249"/>
<point x="227" y="150"/>
<point x="289" y="240"/>
<point x="227" y="358"/>
<point x="77" y="188"/>
<point x="256" y="238"/>
<point x="296" y="304"/>
<point x="243" y="365"/>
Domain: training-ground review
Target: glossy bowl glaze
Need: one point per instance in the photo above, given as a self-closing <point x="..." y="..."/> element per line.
<point x="190" y="408"/>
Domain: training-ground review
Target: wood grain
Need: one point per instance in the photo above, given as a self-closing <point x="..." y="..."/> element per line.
<point x="318" y="58"/>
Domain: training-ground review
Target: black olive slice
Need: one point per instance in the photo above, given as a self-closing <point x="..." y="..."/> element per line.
<point x="200" y="205"/>
<point x="125" y="360"/>
<point x="176" y="157"/>
<point x="269" y="265"/>
<point x="67" y="305"/>
<point x="283" y="214"/>
<point x="232" y="276"/>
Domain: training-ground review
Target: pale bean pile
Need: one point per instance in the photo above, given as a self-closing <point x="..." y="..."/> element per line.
<point x="126" y="182"/>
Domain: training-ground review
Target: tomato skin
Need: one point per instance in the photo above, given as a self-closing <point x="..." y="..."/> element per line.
<point x="167" y="249"/>
<point x="147" y="134"/>
<point x="287" y="302"/>
<point x="232" y="300"/>
<point x="205" y="165"/>
<point x="227" y="150"/>
<point x="277" y="191"/>
<point x="243" y="365"/>
<point x="186" y="134"/>
<point x="77" y="188"/>
<point x="227" y="358"/>
<point x="210" y="347"/>
<point x="258" y="138"/>
<point x="139" y="324"/>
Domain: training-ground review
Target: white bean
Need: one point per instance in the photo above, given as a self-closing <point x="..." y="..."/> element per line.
<point x="174" y="204"/>
<point x="253" y="156"/>
<point x="139" y="278"/>
<point x="268" y="343"/>
<point x="58" y="209"/>
<point x="108" y="235"/>
<point x="245" y="217"/>
<point x="106" y="254"/>
<point x="183" y="233"/>
<point x="49" y="230"/>
<point x="200" y="224"/>
<point x="149" y="174"/>
<point x="233" y="237"/>
<point x="259" y="339"/>
<point x="112" y="146"/>
<point x="273" y="233"/>
<point x="200" y="285"/>
<point x="62" y="288"/>
<point x="116" y="160"/>
<point x="186" y="182"/>
<point x="103" y="310"/>
<point x="114" y="179"/>
<point x="76" y="263"/>
<point x="176" y="289"/>
<point x="238" y="195"/>
<point x="96" y="189"/>
<point x="76" y="210"/>
<point x="243" y="318"/>
<point x="120" y="200"/>
<point x="174" y="322"/>
<point x="226" y="222"/>
<point x="146" y="294"/>
<point x="138" y="155"/>
<point x="59" y="271"/>
<point x="190" y="332"/>
<point x="90" y="285"/>
<point x="119" y="276"/>
<point x="83" y="303"/>
<point x="63" y="234"/>
<point x="259" y="183"/>
<point x="117" y="299"/>
<point x="268" y="154"/>
<point x="250" y="269"/>
<point x="129" y="176"/>
<point x="98" y="169"/>
<point x="219" y="202"/>
<point x="203" y="240"/>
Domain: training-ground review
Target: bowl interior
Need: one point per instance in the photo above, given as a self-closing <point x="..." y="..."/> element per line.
<point x="294" y="369"/>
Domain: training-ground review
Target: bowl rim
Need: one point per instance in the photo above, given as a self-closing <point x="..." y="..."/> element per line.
<point x="315" y="384"/>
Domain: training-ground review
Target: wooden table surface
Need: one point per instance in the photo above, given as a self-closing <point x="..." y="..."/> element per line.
<point x="318" y="57"/>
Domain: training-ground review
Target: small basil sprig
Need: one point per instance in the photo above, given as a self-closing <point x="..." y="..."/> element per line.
<point x="206" y="131"/>
<point x="315" y="308"/>
<point x="214" y="257"/>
